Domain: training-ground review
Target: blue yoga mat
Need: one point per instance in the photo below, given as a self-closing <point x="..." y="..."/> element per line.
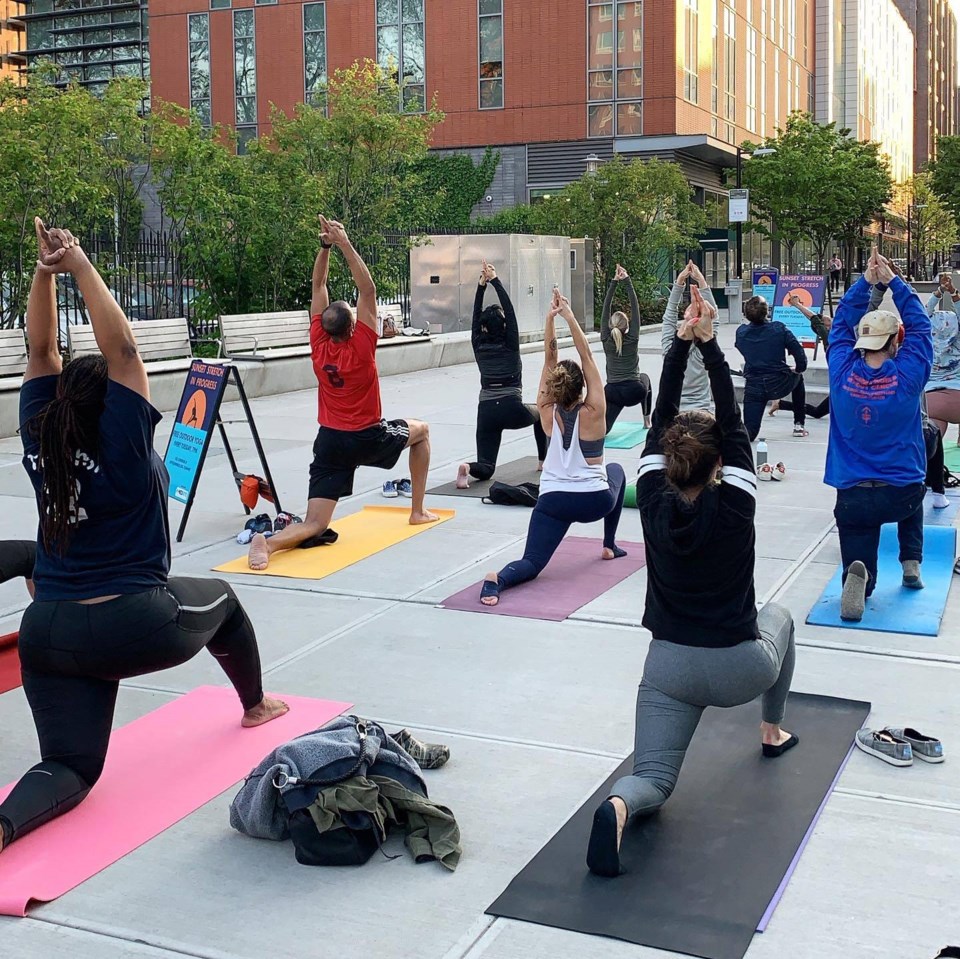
<point x="625" y="436"/>
<point x="941" y="517"/>
<point x="891" y="608"/>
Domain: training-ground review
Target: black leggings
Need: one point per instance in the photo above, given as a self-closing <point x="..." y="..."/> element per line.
<point x="73" y="657"/>
<point x="935" y="466"/>
<point x="17" y="557"/>
<point x="553" y="516"/>
<point x="817" y="412"/>
<point x="495" y="416"/>
<point x="627" y="393"/>
<point x="759" y="390"/>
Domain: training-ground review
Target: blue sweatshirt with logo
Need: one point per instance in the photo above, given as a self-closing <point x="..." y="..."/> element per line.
<point x="875" y="424"/>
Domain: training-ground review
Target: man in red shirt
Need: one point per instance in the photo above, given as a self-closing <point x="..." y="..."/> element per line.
<point x="352" y="430"/>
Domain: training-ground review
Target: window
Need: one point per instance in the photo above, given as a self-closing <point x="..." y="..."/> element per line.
<point x="198" y="32"/>
<point x="245" y="77"/>
<point x="401" y="49"/>
<point x="315" y="54"/>
<point x="730" y="65"/>
<point x="715" y="70"/>
<point x="261" y="2"/>
<point x="220" y="4"/>
<point x="491" y="54"/>
<point x="751" y="77"/>
<point x="615" y="68"/>
<point x="691" y="51"/>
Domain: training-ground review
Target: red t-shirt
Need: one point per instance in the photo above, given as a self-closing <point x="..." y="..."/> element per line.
<point x="347" y="373"/>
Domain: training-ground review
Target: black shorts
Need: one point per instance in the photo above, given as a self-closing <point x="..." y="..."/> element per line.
<point x="338" y="453"/>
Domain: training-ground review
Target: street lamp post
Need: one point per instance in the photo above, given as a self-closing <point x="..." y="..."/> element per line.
<point x="759" y="152"/>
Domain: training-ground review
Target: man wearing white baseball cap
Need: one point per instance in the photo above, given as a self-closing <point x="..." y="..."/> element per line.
<point x="876" y="459"/>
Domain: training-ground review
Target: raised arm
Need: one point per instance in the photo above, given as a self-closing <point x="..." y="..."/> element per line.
<point x="550" y="356"/>
<point x="843" y="332"/>
<point x="634" y="328"/>
<point x="510" y="317"/>
<point x="591" y="374"/>
<point x="362" y="280"/>
<point x="607" y="308"/>
<point x="44" y="357"/>
<point x="111" y="328"/>
<point x="915" y="358"/>
<point x="320" y="295"/>
<point x="671" y="318"/>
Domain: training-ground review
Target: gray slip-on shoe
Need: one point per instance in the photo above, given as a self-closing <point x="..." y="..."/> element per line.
<point x="853" y="599"/>
<point x="885" y="746"/>
<point x="927" y="748"/>
<point x="911" y="574"/>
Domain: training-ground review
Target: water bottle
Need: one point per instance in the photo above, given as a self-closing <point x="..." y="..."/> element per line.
<point x="761" y="452"/>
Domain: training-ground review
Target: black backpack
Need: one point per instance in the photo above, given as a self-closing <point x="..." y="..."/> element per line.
<point x="502" y="494"/>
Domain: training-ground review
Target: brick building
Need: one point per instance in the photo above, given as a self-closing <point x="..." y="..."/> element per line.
<point x="11" y="38"/>
<point x="546" y="82"/>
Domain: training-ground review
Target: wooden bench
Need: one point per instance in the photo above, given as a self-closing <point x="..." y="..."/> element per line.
<point x="262" y="335"/>
<point x="13" y="359"/>
<point x="164" y="345"/>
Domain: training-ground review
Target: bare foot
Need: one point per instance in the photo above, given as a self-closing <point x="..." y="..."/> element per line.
<point x="539" y="467"/>
<point x="774" y="406"/>
<point x="607" y="553"/>
<point x="463" y="476"/>
<point x="773" y="735"/>
<point x="420" y="517"/>
<point x="490" y="600"/>
<point x="621" y="808"/>
<point x="259" y="555"/>
<point x="263" y="712"/>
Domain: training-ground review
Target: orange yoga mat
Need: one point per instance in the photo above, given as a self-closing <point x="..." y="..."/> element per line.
<point x="9" y="662"/>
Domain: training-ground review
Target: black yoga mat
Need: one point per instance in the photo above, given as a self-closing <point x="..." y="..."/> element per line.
<point x="519" y="471"/>
<point x="701" y="873"/>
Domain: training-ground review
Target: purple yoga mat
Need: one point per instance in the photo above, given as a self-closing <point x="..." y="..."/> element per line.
<point x="574" y="577"/>
<point x="788" y="875"/>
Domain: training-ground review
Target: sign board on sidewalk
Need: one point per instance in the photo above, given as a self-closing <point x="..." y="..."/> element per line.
<point x="196" y="417"/>
<point x="739" y="206"/>
<point x="765" y="284"/>
<point x="812" y="290"/>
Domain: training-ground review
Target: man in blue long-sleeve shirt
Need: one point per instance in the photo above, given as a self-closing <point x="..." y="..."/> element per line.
<point x="876" y="459"/>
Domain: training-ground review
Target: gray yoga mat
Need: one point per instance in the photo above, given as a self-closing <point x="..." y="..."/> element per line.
<point x="515" y="473"/>
<point x="703" y="873"/>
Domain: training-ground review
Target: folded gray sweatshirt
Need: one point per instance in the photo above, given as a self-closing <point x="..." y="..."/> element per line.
<point x="696" y="385"/>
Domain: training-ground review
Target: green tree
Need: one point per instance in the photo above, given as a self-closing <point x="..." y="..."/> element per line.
<point x="932" y="222"/>
<point x="641" y="213"/>
<point x="945" y="172"/>
<point x="819" y="184"/>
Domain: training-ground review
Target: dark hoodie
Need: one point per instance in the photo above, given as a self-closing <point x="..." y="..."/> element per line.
<point x="700" y="555"/>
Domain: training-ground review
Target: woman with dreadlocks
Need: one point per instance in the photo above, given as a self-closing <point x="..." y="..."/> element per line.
<point x="104" y="607"/>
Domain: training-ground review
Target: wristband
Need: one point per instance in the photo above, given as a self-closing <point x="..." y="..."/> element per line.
<point x="326" y="246"/>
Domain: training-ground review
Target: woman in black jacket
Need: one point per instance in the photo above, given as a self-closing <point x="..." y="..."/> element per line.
<point x="496" y="346"/>
<point x="710" y="645"/>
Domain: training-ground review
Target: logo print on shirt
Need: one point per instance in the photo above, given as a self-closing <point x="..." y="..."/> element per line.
<point x="865" y="415"/>
<point x="333" y="375"/>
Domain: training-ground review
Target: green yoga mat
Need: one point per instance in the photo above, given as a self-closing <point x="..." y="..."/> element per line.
<point x="951" y="457"/>
<point x="625" y="436"/>
<point x="630" y="496"/>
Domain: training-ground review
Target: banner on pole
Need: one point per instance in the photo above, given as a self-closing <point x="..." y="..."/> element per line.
<point x="765" y="284"/>
<point x="196" y="418"/>
<point x="812" y="291"/>
<point x="739" y="206"/>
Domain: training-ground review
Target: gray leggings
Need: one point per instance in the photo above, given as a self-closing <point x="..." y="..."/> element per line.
<point x="679" y="682"/>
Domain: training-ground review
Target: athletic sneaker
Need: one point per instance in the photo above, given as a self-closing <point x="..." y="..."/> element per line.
<point x="426" y="755"/>
<point x="853" y="599"/>
<point x="259" y="524"/>
<point x="285" y="519"/>
<point x="390" y="489"/>
<point x="405" y="488"/>
<point x="765" y="472"/>
<point x="911" y="574"/>
<point x="885" y="746"/>
<point x="798" y="430"/>
<point x="939" y="501"/>
<point x="927" y="748"/>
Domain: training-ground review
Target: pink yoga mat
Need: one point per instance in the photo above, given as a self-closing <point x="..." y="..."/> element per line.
<point x="574" y="577"/>
<point x="160" y="768"/>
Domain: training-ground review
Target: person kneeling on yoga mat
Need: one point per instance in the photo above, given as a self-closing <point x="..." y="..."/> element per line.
<point x="710" y="645"/>
<point x="876" y="457"/>
<point x="626" y="385"/>
<point x="105" y="608"/>
<point x="575" y="486"/>
<point x="495" y="337"/>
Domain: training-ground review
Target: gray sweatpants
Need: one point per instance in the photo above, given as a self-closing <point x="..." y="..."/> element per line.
<point x="679" y="682"/>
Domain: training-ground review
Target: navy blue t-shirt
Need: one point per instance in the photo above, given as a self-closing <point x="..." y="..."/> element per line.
<point x="763" y="346"/>
<point x="121" y="541"/>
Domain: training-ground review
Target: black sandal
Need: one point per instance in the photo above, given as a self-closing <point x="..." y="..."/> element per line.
<point x="489" y="589"/>
<point x="327" y="538"/>
<point x="771" y="752"/>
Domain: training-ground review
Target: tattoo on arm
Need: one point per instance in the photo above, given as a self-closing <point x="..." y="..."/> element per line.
<point x="553" y="345"/>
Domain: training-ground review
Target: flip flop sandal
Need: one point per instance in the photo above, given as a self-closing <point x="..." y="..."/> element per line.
<point x="489" y="589"/>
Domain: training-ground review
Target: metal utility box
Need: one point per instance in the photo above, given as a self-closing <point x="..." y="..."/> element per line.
<point x="444" y="271"/>
<point x="581" y="281"/>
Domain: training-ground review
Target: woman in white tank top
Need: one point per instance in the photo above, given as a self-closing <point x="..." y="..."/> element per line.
<point x="576" y="486"/>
